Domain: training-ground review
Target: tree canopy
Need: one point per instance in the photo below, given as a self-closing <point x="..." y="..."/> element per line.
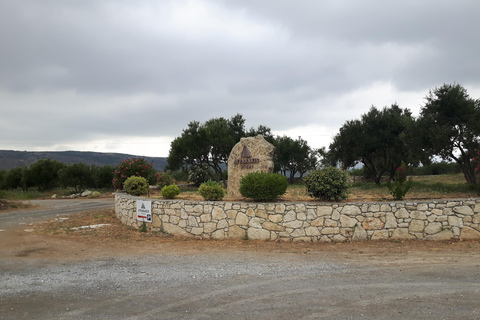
<point x="294" y="156"/>
<point x="449" y="127"/>
<point x="377" y="140"/>
<point x="206" y="146"/>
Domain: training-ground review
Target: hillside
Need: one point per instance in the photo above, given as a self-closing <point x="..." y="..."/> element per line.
<point x="11" y="159"/>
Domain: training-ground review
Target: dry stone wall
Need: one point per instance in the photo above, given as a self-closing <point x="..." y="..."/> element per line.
<point x="311" y="221"/>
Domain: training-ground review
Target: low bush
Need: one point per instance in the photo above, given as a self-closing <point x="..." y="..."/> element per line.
<point x="164" y="179"/>
<point x="211" y="191"/>
<point x="136" y="186"/>
<point x="263" y="186"/>
<point x="329" y="184"/>
<point x="400" y="186"/>
<point x="170" y="192"/>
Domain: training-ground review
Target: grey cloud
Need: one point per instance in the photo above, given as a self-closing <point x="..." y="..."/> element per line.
<point x="76" y="70"/>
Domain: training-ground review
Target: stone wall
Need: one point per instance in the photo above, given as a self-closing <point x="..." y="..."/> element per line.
<point x="310" y="221"/>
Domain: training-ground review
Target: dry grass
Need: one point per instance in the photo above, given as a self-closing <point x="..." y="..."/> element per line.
<point x="425" y="187"/>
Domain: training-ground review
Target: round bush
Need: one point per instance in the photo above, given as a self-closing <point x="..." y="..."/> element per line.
<point x="164" y="179"/>
<point x="170" y="192"/>
<point x="133" y="167"/>
<point x="136" y="186"/>
<point x="263" y="186"/>
<point x="329" y="184"/>
<point x="211" y="191"/>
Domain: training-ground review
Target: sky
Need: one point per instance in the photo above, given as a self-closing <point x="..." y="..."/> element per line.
<point x="128" y="76"/>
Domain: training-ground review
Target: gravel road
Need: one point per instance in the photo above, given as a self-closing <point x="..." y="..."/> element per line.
<point x="50" y="208"/>
<point x="44" y="278"/>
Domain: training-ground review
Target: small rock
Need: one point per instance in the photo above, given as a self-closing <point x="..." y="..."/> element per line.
<point x="86" y="193"/>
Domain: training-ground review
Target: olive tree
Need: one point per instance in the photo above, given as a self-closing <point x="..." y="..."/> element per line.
<point x="449" y="127"/>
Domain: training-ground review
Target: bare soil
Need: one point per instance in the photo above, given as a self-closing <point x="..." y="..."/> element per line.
<point x="57" y="238"/>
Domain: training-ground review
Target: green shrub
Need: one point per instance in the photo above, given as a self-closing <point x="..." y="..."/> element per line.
<point x="211" y="191"/>
<point x="329" y="184"/>
<point x="170" y="192"/>
<point x="197" y="176"/>
<point x="133" y="167"/>
<point x="136" y="186"/>
<point x="164" y="179"/>
<point x="94" y="194"/>
<point x="263" y="186"/>
<point x="400" y="186"/>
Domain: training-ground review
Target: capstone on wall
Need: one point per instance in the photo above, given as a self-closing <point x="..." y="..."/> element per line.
<point x="310" y="221"/>
<point x="249" y="155"/>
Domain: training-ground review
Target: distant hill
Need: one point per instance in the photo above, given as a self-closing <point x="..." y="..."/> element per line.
<point x="11" y="159"/>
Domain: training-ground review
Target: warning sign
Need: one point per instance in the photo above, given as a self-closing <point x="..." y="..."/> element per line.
<point x="144" y="210"/>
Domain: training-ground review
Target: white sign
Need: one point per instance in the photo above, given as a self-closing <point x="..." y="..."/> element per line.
<point x="144" y="210"/>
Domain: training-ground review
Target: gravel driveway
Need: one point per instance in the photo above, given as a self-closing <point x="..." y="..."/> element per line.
<point x="43" y="277"/>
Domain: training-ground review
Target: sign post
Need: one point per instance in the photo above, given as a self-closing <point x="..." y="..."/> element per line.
<point x="144" y="210"/>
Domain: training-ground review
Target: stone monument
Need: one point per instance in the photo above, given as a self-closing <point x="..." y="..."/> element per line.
<point x="249" y="155"/>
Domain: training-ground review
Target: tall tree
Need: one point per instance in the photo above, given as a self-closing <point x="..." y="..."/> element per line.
<point x="44" y="173"/>
<point x="294" y="156"/>
<point x="449" y="126"/>
<point x="77" y="175"/>
<point x="377" y="140"/>
<point x="206" y="147"/>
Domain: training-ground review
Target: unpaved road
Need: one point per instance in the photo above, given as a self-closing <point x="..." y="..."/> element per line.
<point x="66" y="277"/>
<point x="46" y="209"/>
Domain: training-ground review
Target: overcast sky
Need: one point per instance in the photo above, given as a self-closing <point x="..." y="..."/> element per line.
<point x="128" y="76"/>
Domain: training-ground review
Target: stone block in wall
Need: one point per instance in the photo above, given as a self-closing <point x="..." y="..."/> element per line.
<point x="218" y="235"/>
<point x="385" y="208"/>
<point x="390" y="221"/>
<point x="351" y="210"/>
<point x="267" y="225"/>
<point x="359" y="234"/>
<point x="380" y="235"/>
<point x="442" y="235"/>
<point x="422" y="207"/>
<point x="297" y="233"/>
<point x="222" y="224"/>
<point x="312" y="231"/>
<point x="372" y="224"/>
<point x="317" y="222"/>
<point x="293" y="224"/>
<point x="418" y="215"/>
<point x="433" y="228"/>
<point x="176" y="230"/>
<point x="255" y="222"/>
<point x="402" y="213"/>
<point x="290" y="216"/>
<point x="210" y="227"/>
<point x="455" y="221"/>
<point x="301" y="216"/>
<point x="465" y="210"/>
<point x="218" y="213"/>
<point x="476" y="218"/>
<point x="338" y="238"/>
<point x="242" y="219"/>
<point x="231" y="214"/>
<point x="275" y="218"/>
<point x="347" y="222"/>
<point x="468" y="233"/>
<point x="330" y="223"/>
<point x="258" y="234"/>
<point x="324" y="211"/>
<point x="235" y="232"/>
<point x="416" y="226"/>
<point x="401" y="233"/>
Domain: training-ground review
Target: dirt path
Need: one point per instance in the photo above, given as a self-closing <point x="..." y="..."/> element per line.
<point x="115" y="273"/>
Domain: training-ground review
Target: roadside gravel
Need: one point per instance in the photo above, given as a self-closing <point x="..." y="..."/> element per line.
<point x="94" y="276"/>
